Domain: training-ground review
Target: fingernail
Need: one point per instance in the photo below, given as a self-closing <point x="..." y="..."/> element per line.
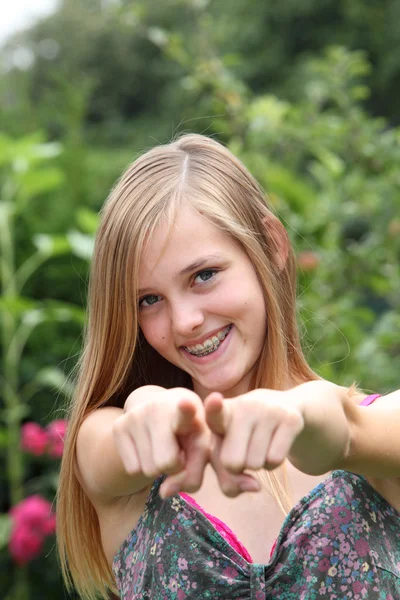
<point x="249" y="486"/>
<point x="172" y="490"/>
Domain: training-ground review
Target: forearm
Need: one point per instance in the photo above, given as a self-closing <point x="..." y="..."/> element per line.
<point x="374" y="448"/>
<point x="340" y="434"/>
<point x="326" y="437"/>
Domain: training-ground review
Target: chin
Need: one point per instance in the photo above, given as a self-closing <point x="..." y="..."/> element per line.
<point x="222" y="385"/>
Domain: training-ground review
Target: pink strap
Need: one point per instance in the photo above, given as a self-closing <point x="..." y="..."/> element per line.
<point x="369" y="399"/>
<point x="225" y="531"/>
<point x="222" y="529"/>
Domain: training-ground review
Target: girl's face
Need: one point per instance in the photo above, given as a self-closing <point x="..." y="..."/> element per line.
<point x="201" y="305"/>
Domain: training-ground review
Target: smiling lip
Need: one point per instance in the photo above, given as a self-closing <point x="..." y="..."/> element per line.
<point x="212" y="356"/>
<point x="204" y="338"/>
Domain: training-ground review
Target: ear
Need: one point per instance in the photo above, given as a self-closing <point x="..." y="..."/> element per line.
<point x="280" y="240"/>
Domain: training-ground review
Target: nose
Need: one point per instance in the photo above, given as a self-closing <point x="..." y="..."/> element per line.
<point x="186" y="317"/>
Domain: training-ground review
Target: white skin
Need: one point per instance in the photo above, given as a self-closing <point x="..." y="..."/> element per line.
<point x="178" y="431"/>
<point x="221" y="422"/>
<point x="178" y="310"/>
<point x="208" y="439"/>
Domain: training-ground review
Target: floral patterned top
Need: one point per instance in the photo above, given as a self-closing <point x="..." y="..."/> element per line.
<point x="341" y="541"/>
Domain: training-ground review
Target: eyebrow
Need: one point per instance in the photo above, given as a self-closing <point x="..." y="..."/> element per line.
<point x="193" y="266"/>
<point x="199" y="263"/>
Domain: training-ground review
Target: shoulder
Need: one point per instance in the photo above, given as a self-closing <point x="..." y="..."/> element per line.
<point x="94" y="447"/>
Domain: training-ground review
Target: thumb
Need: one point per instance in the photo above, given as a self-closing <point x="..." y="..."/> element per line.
<point x="218" y="413"/>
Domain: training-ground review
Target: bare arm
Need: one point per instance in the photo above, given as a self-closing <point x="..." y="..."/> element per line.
<point x="374" y="449"/>
<point x="340" y="434"/>
<point x="159" y="431"/>
<point x="100" y="467"/>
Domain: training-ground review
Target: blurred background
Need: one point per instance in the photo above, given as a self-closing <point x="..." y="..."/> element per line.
<point x="305" y="92"/>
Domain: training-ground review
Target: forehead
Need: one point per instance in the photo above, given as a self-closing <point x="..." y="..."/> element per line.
<point x="173" y="246"/>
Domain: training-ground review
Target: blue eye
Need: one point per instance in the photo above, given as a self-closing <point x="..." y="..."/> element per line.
<point x="206" y="275"/>
<point x="149" y="300"/>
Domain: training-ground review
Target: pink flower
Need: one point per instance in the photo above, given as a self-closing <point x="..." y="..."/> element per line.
<point x="33" y="439"/>
<point x="50" y="525"/>
<point x="182" y="563"/>
<point x="362" y="547"/>
<point x="328" y="550"/>
<point x="357" y="587"/>
<point x="230" y="572"/>
<point x="173" y="585"/>
<point x="56" y="433"/>
<point x="32" y="520"/>
<point x="25" y="544"/>
<point x="345" y="547"/>
<point x="341" y="515"/>
<point x="34" y="513"/>
<point x="324" y="565"/>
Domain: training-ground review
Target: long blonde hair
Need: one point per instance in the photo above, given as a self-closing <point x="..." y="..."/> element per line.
<point x="117" y="359"/>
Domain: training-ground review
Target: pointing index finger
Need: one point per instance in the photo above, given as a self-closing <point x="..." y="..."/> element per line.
<point x="218" y="413"/>
<point x="185" y="417"/>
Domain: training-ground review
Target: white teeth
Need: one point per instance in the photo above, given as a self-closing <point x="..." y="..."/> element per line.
<point x="221" y="336"/>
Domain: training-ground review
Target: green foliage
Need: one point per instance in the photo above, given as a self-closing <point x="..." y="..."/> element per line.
<point x="331" y="173"/>
<point x="332" y="176"/>
<point x="27" y="173"/>
<point x="280" y="85"/>
<point x="5" y="530"/>
<point x="124" y="59"/>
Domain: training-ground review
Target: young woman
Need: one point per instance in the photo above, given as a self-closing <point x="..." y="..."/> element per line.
<point x="193" y="391"/>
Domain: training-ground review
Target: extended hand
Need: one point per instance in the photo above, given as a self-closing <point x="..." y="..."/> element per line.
<point x="164" y="432"/>
<point x="252" y="431"/>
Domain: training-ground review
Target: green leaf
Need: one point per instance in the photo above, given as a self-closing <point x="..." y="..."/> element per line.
<point x="331" y="161"/>
<point x="40" y="181"/>
<point x="3" y="437"/>
<point x="48" y="150"/>
<point x="282" y="181"/>
<point x="62" y="311"/>
<point x="52" y="245"/>
<point x="15" y="414"/>
<point x="17" y="305"/>
<point x="5" y="148"/>
<point x="54" y="480"/>
<point x="33" y="312"/>
<point x="5" y="530"/>
<point x="267" y="112"/>
<point x="6" y="210"/>
<point x="158" y="36"/>
<point x="55" y="378"/>
<point x="87" y="220"/>
<point x="82" y="245"/>
<point x="32" y="318"/>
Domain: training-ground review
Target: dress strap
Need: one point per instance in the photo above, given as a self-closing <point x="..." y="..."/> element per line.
<point x="369" y="399"/>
